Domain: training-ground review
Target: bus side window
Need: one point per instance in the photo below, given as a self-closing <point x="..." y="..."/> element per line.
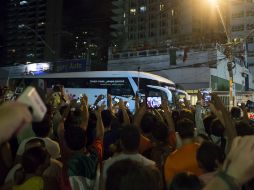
<point x="155" y="92"/>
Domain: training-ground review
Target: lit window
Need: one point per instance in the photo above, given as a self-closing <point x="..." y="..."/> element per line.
<point x="142" y="9"/>
<point x="41" y="23"/>
<point x="124" y="15"/>
<point x="162" y="7"/>
<point x="133" y="11"/>
<point x="23" y="2"/>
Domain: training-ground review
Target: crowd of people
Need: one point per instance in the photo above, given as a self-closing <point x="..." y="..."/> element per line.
<point x="109" y="148"/>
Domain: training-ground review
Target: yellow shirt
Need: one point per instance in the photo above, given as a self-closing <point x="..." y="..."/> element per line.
<point x="33" y="183"/>
<point x="182" y="160"/>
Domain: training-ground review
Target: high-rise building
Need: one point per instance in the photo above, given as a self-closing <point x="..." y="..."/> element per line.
<point x="242" y="25"/>
<point x="2" y="31"/>
<point x="148" y="24"/>
<point x="32" y="30"/>
<point x="85" y="32"/>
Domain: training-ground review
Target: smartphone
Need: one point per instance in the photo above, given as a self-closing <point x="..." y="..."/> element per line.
<point x="206" y="96"/>
<point x="93" y="107"/>
<point x="153" y="102"/>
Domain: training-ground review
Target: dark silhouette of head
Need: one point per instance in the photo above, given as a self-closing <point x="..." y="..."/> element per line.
<point x="147" y="122"/>
<point x="185" y="128"/>
<point x="160" y="132"/>
<point x="75" y="138"/>
<point x="132" y="175"/>
<point x="235" y="112"/>
<point x="210" y="156"/>
<point x="185" y="181"/>
<point x="130" y="137"/>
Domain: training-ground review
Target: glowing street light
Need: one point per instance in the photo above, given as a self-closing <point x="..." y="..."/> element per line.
<point x="213" y="2"/>
<point x="228" y="51"/>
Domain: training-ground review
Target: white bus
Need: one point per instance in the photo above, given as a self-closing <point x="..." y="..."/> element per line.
<point x="120" y="84"/>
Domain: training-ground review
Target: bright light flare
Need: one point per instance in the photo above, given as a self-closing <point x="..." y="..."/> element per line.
<point x="213" y="2"/>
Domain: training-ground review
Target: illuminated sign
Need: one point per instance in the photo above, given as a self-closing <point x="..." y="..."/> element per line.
<point x="76" y="65"/>
<point x="30" y="69"/>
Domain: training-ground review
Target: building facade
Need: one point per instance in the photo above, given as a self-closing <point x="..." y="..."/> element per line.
<point x="242" y="25"/>
<point x="149" y="24"/>
<point x="31" y="31"/>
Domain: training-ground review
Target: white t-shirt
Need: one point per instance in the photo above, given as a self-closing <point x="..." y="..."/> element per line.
<point x="52" y="147"/>
<point x="122" y="156"/>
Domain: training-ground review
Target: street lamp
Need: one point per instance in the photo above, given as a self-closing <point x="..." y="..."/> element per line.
<point x="228" y="51"/>
<point x="37" y="35"/>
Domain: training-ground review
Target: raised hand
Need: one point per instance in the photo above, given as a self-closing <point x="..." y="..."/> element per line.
<point x="84" y="100"/>
<point x="239" y="163"/>
<point x="224" y="116"/>
<point x="13" y="116"/>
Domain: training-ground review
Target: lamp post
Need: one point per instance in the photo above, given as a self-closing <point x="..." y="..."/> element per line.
<point x="229" y="49"/>
<point x="228" y="52"/>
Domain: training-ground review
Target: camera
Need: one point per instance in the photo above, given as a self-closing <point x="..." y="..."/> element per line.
<point x="153" y="102"/>
<point x="32" y="99"/>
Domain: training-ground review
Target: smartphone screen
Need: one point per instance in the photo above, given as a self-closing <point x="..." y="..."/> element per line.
<point x="206" y="96"/>
<point x="153" y="102"/>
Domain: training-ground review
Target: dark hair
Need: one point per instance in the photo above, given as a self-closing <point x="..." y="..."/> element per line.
<point x="130" y="138"/>
<point x="235" y="112"/>
<point x="185" y="128"/>
<point x="132" y="175"/>
<point x="75" y="138"/>
<point x="185" y="181"/>
<point x="175" y="116"/>
<point x="91" y="129"/>
<point x="242" y="128"/>
<point x="73" y="119"/>
<point x="119" y="115"/>
<point x="31" y="160"/>
<point x="147" y="122"/>
<point x="42" y="129"/>
<point x="207" y="123"/>
<point x="160" y="131"/>
<point x="106" y="118"/>
<point x="35" y="142"/>
<point x="57" y="88"/>
<point x="207" y="155"/>
<point x="187" y="114"/>
<point x="217" y="129"/>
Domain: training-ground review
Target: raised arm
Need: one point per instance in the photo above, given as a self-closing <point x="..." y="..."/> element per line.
<point x="99" y="123"/>
<point x="167" y="114"/>
<point x="110" y="105"/>
<point x="85" y="111"/>
<point x="13" y="117"/>
<point x="245" y="113"/>
<point x="136" y="103"/>
<point x="139" y="115"/>
<point x="122" y="107"/>
<point x="223" y="115"/>
<point x="198" y="116"/>
<point x="238" y="166"/>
